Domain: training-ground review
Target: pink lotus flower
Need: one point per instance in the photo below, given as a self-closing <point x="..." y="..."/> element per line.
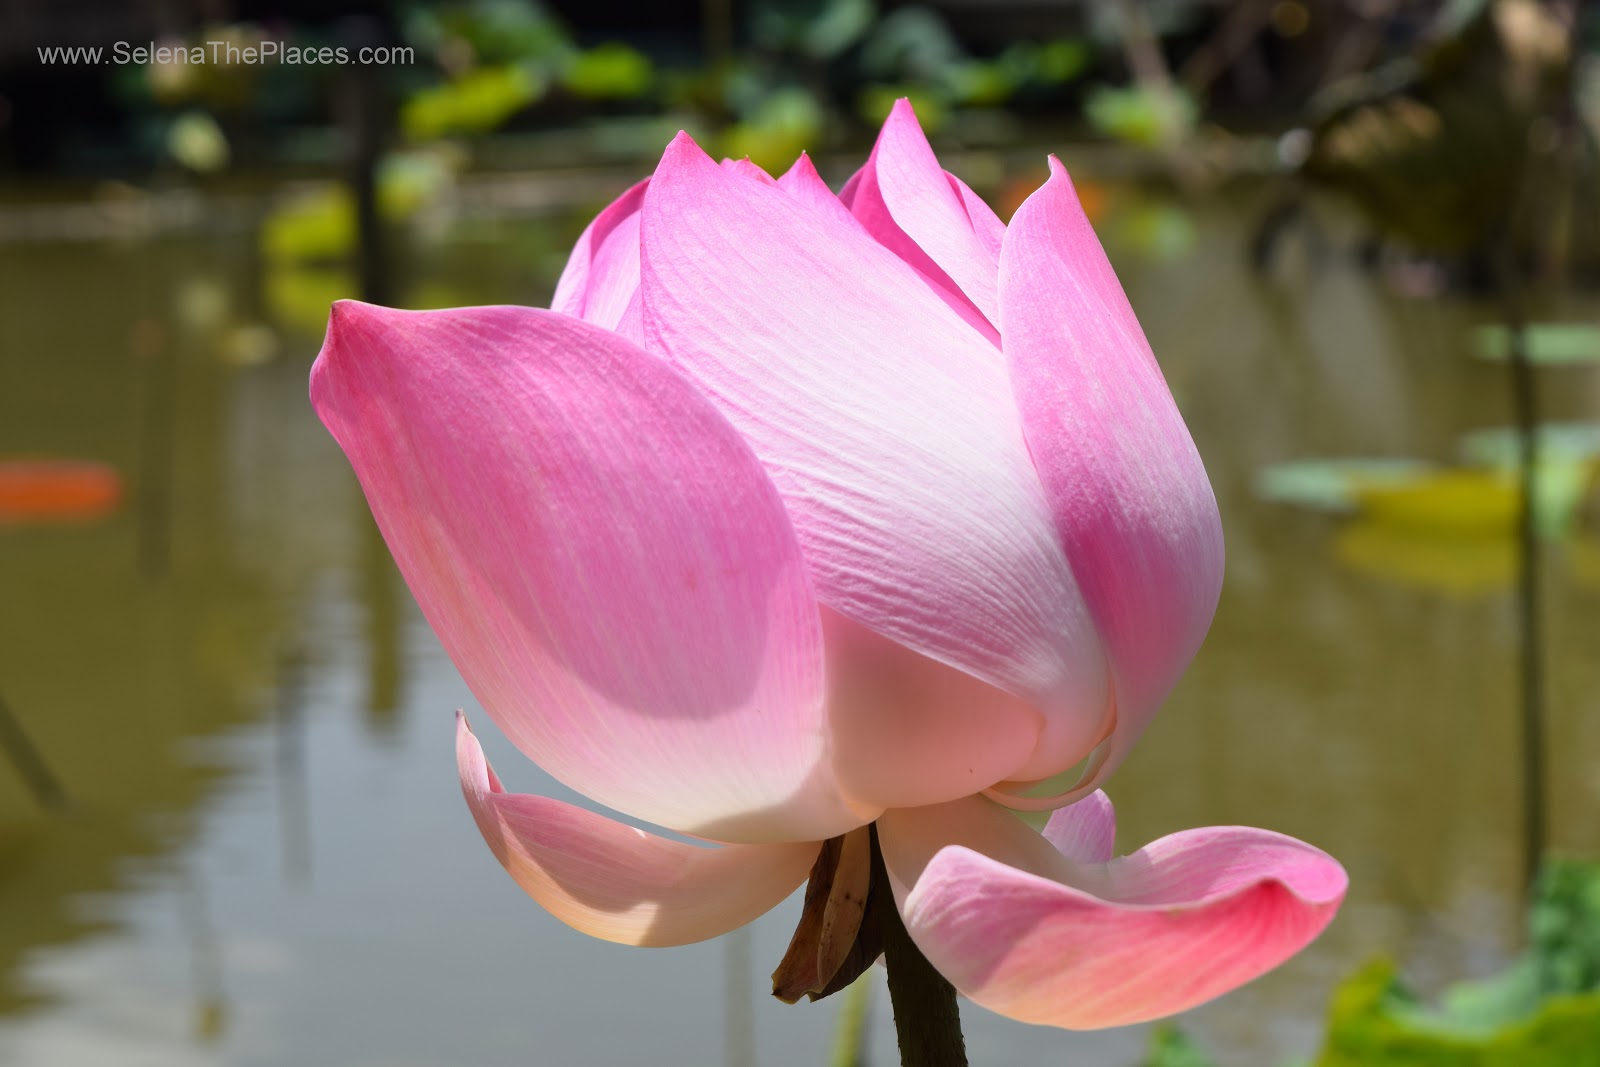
<point x="802" y="511"/>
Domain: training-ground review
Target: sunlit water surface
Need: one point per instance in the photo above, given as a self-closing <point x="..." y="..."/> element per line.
<point x="265" y="859"/>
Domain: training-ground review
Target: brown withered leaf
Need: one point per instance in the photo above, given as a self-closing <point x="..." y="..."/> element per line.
<point x="838" y="935"/>
<point x="796" y="974"/>
<point x="847" y="902"/>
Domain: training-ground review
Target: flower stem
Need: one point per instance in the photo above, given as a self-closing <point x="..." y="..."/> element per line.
<point x="926" y="1017"/>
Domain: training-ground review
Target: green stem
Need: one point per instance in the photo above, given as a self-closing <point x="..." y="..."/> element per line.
<point x="1524" y="395"/>
<point x="926" y="1016"/>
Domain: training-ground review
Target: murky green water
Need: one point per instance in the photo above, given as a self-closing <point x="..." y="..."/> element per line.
<point x="265" y="859"/>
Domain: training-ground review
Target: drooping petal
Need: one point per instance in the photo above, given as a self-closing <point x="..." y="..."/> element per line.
<point x="602" y="556"/>
<point x="618" y="883"/>
<point x="802" y="182"/>
<point x="1128" y="491"/>
<point x="602" y="273"/>
<point x="1025" y="932"/>
<point x="891" y="434"/>
<point x="908" y="202"/>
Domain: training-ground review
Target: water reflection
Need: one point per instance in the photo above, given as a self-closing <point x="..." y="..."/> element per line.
<point x="265" y="859"/>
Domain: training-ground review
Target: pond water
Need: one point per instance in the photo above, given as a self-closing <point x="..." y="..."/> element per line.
<point x="264" y="859"/>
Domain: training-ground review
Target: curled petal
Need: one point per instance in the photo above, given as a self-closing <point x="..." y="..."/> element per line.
<point x="1027" y="933"/>
<point x="602" y="556"/>
<point x="602" y="274"/>
<point x="1129" y="494"/>
<point x="892" y="435"/>
<point x="615" y="882"/>
<point x="908" y="202"/>
<point x="1085" y="832"/>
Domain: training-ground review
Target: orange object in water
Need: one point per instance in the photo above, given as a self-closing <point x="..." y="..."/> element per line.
<point x="57" y="490"/>
<point x="1094" y="197"/>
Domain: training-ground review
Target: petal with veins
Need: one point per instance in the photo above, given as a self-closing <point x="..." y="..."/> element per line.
<point x="1025" y="932"/>
<point x="748" y="169"/>
<point x="603" y="557"/>
<point x="1085" y="832"/>
<point x="802" y="182"/>
<point x="908" y="202"/>
<point x="985" y="223"/>
<point x="1128" y="491"/>
<point x="618" y="883"/>
<point x="893" y="436"/>
<point x="602" y="273"/>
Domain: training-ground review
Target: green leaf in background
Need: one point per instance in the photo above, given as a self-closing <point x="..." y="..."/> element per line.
<point x="820" y="29"/>
<point x="1138" y="116"/>
<point x="1377" y="1022"/>
<point x="850" y="1040"/>
<point x="1170" y="1048"/>
<point x="876" y="101"/>
<point x="477" y="102"/>
<point x="487" y="32"/>
<point x="910" y="44"/>
<point x="196" y="141"/>
<point x="1063" y="60"/>
<point x="1500" y="446"/>
<point x="1157" y="229"/>
<point x="319" y="223"/>
<point x="1541" y="1011"/>
<point x="1550" y="344"/>
<point x="1564" y="927"/>
<point x="786" y="123"/>
<point x="1333" y="484"/>
<point x="978" y="83"/>
<point x="610" y="71"/>
<point x="840" y="24"/>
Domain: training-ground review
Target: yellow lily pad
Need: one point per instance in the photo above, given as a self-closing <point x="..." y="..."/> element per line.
<point x="1416" y="557"/>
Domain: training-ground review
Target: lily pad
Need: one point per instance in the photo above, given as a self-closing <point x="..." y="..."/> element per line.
<point x="1461" y="566"/>
<point x="1542" y="1011"/>
<point x="476" y="103"/>
<point x="609" y="71"/>
<point x="1475" y="502"/>
<point x="1376" y="1022"/>
<point x="1500" y="446"/>
<point x="1334" y="485"/>
<point x="1450" y="501"/>
<point x="1550" y="344"/>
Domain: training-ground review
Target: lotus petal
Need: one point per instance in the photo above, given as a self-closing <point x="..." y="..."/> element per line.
<point x="602" y="273"/>
<point x="602" y="556"/>
<point x="1129" y="494"/>
<point x="908" y="202"/>
<point x="618" y="883"/>
<point x="802" y="182"/>
<point x="1026" y="932"/>
<point x="893" y="437"/>
<point x="749" y="170"/>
